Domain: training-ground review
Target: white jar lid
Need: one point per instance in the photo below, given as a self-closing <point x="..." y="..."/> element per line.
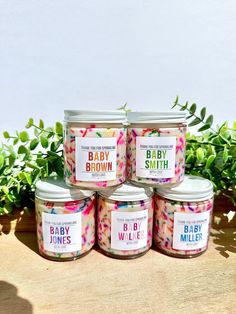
<point x="156" y="117"/>
<point x="54" y="189"/>
<point x="95" y="116"/>
<point x="191" y="189"/>
<point x="127" y="193"/>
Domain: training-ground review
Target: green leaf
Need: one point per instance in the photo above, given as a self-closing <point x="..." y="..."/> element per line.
<point x="58" y="167"/>
<point x="209" y="120"/>
<point x="193" y="108"/>
<point x="52" y="154"/>
<point x="200" y="154"/>
<point x="34" y="143"/>
<point x="44" y="141"/>
<point x="183" y="108"/>
<point x="22" y="150"/>
<point x="28" y="178"/>
<point x="5" y="189"/>
<point x="195" y="122"/>
<point x="37" y="132"/>
<point x="29" y="123"/>
<point x="210" y="160"/>
<point x="6" y="134"/>
<point x="41" y="162"/>
<point x="41" y="124"/>
<point x="190" y="159"/>
<point x="224" y="140"/>
<point x="18" y="187"/>
<point x="203" y="113"/>
<point x="204" y="127"/>
<point x="233" y="168"/>
<point x="175" y="103"/>
<point x="16" y="140"/>
<point x="30" y="165"/>
<point x="7" y="208"/>
<point x="225" y="155"/>
<point x="56" y="145"/>
<point x="2" y="161"/>
<point x="59" y="128"/>
<point x="24" y="136"/>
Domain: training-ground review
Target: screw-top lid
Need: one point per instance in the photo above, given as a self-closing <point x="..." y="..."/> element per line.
<point x="54" y="189"/>
<point x="127" y="193"/>
<point x="191" y="189"/>
<point x="156" y="117"/>
<point x="95" y="116"/>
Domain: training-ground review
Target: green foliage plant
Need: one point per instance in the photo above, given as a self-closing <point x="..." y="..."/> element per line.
<point x="26" y="157"/>
<point x="212" y="153"/>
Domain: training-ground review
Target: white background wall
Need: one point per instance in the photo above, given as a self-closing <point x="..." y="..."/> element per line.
<point x="80" y="54"/>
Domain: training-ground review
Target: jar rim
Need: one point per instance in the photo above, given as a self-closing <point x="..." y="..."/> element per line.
<point x="191" y="189"/>
<point x="54" y="189"/>
<point x="95" y="116"/>
<point x="156" y="117"/>
<point x="127" y="192"/>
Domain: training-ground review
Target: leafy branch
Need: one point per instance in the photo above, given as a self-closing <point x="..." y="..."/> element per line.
<point x="212" y="154"/>
<point x="24" y="159"/>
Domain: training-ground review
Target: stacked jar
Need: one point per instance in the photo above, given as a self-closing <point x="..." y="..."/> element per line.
<point x="125" y="221"/>
<point x="94" y="149"/>
<point x="65" y="220"/>
<point x="156" y="148"/>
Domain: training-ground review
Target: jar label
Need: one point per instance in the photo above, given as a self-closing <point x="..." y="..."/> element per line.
<point x="129" y="230"/>
<point x="95" y="159"/>
<point x="155" y="157"/>
<point x="61" y="233"/>
<point x="191" y="230"/>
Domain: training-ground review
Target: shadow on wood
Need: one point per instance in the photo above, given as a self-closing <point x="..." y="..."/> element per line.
<point x="10" y="302"/>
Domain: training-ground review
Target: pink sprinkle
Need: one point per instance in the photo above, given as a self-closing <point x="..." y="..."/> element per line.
<point x="102" y="184"/>
<point x="71" y="205"/>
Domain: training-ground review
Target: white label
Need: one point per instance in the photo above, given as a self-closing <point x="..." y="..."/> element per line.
<point x="95" y="159"/>
<point x="190" y="230"/>
<point x="61" y="233"/>
<point x="155" y="157"/>
<point x="129" y="230"/>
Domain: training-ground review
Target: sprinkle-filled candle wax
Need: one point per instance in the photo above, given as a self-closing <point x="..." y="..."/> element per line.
<point x="182" y="217"/>
<point x="65" y="220"/>
<point x="156" y="147"/>
<point x="125" y="221"/>
<point x="94" y="149"/>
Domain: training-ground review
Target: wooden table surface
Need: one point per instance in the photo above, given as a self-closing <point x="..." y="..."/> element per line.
<point x="154" y="283"/>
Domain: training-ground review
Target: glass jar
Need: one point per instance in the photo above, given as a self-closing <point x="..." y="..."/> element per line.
<point x="182" y="217"/>
<point x="65" y="220"/>
<point x="125" y="221"/>
<point x="156" y="147"/>
<point x="94" y="148"/>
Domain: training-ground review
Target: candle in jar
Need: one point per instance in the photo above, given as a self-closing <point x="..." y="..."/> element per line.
<point x="65" y="220"/>
<point x="95" y="148"/>
<point x="125" y="221"/>
<point x="182" y="217"/>
<point x="156" y="148"/>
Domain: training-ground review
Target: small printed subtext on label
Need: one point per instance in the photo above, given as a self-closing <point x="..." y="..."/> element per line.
<point x="62" y="233"/>
<point x="95" y="159"/>
<point x="155" y="157"/>
<point x="191" y="231"/>
<point x="129" y="230"/>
